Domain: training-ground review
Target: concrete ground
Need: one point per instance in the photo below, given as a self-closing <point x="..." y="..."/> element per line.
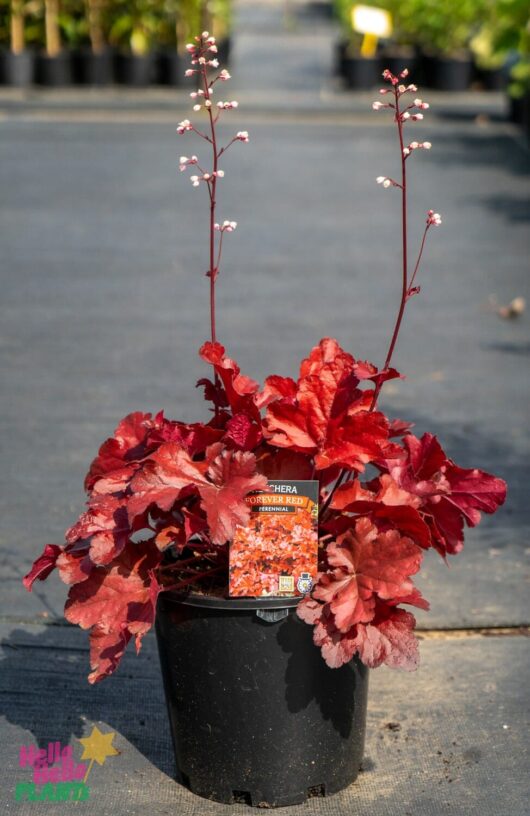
<point x="104" y="304"/>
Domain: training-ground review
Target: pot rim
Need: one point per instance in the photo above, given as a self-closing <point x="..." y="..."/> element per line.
<point x="243" y="604"/>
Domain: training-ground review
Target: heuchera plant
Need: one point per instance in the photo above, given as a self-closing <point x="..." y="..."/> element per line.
<point x="165" y="497"/>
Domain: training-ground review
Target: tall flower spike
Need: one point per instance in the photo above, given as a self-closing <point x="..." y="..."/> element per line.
<point x="203" y="55"/>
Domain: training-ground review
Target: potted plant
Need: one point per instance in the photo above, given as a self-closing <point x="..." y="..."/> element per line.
<point x="168" y="59"/>
<point x="444" y="29"/>
<point x="92" y="57"/>
<point x="256" y="714"/>
<point x="16" y="62"/>
<point x="133" y="29"/>
<point x="53" y="67"/>
<point x="359" y="71"/>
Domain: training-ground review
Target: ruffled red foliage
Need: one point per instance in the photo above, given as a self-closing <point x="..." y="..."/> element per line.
<point x="165" y="499"/>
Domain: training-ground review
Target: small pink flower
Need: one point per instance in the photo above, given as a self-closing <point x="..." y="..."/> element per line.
<point x="426" y="145"/>
<point x="434" y="219"/>
<point x="189" y="72"/>
<point x="219" y="173"/>
<point x="228" y="105"/>
<point x="195" y="180"/>
<point x="196" y="107"/>
<point x="224" y="75"/>
<point x="227" y="226"/>
<point x="184" y="126"/>
<point x="214" y="63"/>
<point x="384" y="91"/>
<point x="213" y="49"/>
<point x="190" y="47"/>
<point x="386" y="182"/>
<point x="205" y="35"/>
<point x="185" y="162"/>
<point x="417" y="117"/>
<point x="389" y="76"/>
<point x="404" y="74"/>
<point x="405" y="116"/>
<point x="242" y="136"/>
<point x="378" y="105"/>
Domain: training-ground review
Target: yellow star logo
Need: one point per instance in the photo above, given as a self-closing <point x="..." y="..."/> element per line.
<point x="97" y="748"/>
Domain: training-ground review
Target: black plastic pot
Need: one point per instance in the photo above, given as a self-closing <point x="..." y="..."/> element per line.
<point x="224" y="51"/>
<point x="134" y="70"/>
<point x="16" y="69"/>
<point x="493" y="79"/>
<point x="396" y="60"/>
<point x="362" y="73"/>
<point x="91" y="68"/>
<point x="256" y="715"/>
<point x="54" y="72"/>
<point x="169" y="68"/>
<point x="451" y="74"/>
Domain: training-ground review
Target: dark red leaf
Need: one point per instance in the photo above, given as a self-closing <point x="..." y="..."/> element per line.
<point x="42" y="566"/>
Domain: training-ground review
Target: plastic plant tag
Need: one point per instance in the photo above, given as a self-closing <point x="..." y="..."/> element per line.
<point x="276" y="554"/>
<point x="374" y="23"/>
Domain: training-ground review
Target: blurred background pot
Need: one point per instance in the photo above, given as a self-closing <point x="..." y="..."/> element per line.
<point x="169" y="68"/>
<point x="93" y="68"/>
<point x="362" y="73"/>
<point x="16" y="69"/>
<point x="54" y="72"/>
<point x="135" y="70"/>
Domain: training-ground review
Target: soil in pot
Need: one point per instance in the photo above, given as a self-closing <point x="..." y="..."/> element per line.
<point x="362" y="73"/>
<point x="256" y="715"/>
<point x="93" y="68"/>
<point x="16" y="69"/>
<point x="134" y="69"/>
<point x="54" y="72"/>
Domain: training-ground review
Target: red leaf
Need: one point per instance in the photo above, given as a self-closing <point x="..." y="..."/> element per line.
<point x="242" y="432"/>
<point x="232" y="476"/>
<point x="127" y="445"/>
<point x="367" y="565"/>
<point x="105" y="527"/>
<point x="42" y="566"/>
<point x="387" y="505"/>
<point x="389" y="639"/>
<point x="239" y="390"/>
<point x="447" y="494"/>
<point x="275" y="388"/>
<point x="283" y="464"/>
<point x="106" y="651"/>
<point x="74" y="565"/>
<point x="161" y="480"/>
<point x="107" y="596"/>
<point x="328" y="416"/>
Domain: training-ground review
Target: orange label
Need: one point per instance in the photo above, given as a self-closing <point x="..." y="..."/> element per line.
<point x="276" y="554"/>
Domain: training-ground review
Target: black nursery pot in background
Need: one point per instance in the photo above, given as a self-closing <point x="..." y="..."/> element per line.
<point x="16" y="69"/>
<point x="134" y="70"/>
<point x="256" y="715"/>
<point x="93" y="68"/>
<point x="169" y="68"/>
<point x="54" y="72"/>
<point x="451" y="74"/>
<point x="362" y="73"/>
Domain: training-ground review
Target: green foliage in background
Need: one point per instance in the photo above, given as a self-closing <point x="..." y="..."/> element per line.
<point x="129" y="25"/>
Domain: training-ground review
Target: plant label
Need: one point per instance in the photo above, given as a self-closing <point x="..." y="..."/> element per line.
<point x="276" y="553"/>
